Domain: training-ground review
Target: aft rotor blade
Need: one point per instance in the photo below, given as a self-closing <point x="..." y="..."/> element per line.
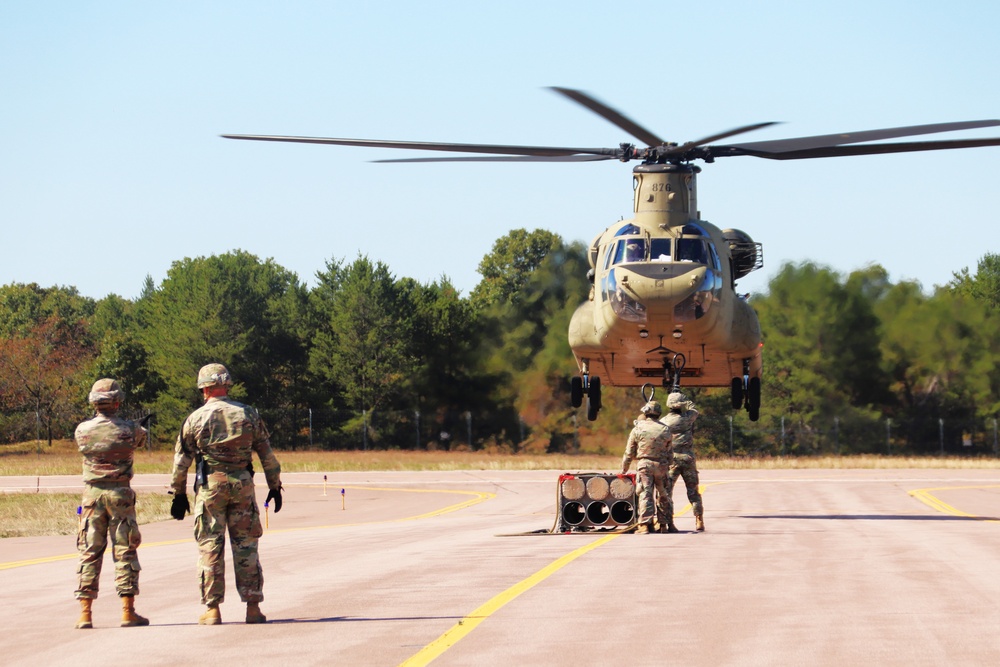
<point x="869" y="149"/>
<point x="823" y="140"/>
<point x="616" y="117"/>
<point x="432" y="146"/>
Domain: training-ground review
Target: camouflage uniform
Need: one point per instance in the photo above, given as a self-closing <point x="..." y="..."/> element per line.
<point x="680" y="421"/>
<point x="107" y="443"/>
<point x="226" y="432"/>
<point x="649" y="445"/>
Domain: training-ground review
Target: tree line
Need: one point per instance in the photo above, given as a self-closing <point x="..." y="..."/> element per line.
<point x="365" y="358"/>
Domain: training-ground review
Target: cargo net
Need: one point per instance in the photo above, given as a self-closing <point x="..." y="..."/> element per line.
<point x="594" y="501"/>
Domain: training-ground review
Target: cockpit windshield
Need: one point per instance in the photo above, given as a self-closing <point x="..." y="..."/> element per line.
<point x="692" y="250"/>
<point x="659" y="250"/>
<point x="630" y="250"/>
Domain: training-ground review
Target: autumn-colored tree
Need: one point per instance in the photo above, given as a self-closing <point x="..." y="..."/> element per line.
<point x="43" y="371"/>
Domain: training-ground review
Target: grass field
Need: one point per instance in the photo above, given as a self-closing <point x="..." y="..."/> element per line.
<point x="31" y="514"/>
<point x="64" y="459"/>
<point x="55" y="513"/>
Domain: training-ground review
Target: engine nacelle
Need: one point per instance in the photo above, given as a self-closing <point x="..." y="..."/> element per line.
<point x="747" y="255"/>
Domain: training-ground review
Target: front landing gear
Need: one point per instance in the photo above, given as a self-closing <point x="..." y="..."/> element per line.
<point x="586" y="386"/>
<point x="745" y="393"/>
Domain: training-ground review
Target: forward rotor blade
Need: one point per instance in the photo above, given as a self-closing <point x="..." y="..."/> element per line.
<point x="609" y="114"/>
<point x="841" y="151"/>
<point x="432" y="146"/>
<point x="508" y="158"/>
<point x="822" y="140"/>
<point x="715" y="137"/>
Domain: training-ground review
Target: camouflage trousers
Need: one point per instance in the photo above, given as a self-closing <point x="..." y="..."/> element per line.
<point x="108" y="511"/>
<point x="651" y="477"/>
<point x="684" y="467"/>
<point x="227" y="502"/>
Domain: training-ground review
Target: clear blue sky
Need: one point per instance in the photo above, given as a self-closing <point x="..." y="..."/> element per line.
<point x="111" y="167"/>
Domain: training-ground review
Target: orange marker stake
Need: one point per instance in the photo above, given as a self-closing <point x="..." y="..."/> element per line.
<point x="267" y="524"/>
<point x="343" y="499"/>
<point x="324" y="485"/>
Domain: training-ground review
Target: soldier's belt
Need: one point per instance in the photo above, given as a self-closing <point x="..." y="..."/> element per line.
<point x="226" y="468"/>
<point x="102" y="484"/>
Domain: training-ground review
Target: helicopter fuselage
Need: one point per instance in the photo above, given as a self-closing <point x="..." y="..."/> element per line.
<point x="664" y="304"/>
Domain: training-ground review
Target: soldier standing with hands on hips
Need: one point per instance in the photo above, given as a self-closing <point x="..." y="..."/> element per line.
<point x="107" y="443"/>
<point x="221" y="436"/>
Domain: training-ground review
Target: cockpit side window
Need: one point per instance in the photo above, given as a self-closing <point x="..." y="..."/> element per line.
<point x="628" y="230"/>
<point x="659" y="250"/>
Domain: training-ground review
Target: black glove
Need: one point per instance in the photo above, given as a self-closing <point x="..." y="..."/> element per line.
<point x="275" y="495"/>
<point x="144" y="422"/>
<point x="180" y="506"/>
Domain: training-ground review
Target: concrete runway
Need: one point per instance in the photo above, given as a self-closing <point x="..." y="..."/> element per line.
<point x="818" y="567"/>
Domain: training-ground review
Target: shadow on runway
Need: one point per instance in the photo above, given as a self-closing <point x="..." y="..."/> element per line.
<point x="352" y="619"/>
<point x="870" y="517"/>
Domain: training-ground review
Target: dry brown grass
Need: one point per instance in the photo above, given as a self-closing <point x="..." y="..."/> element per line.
<point x="31" y="514"/>
<point x="64" y="459"/>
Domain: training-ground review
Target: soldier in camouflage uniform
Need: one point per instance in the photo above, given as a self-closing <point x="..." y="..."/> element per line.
<point x="680" y="419"/>
<point x="107" y="443"/>
<point x="649" y="446"/>
<point x="223" y="434"/>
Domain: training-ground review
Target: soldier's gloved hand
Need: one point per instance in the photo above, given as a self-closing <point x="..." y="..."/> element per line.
<point x="144" y="422"/>
<point x="179" y="506"/>
<point x="275" y="495"/>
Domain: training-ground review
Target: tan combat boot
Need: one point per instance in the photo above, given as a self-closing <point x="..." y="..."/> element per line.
<point x="254" y="614"/>
<point x="699" y="523"/>
<point x="212" y="616"/>
<point x="669" y="528"/>
<point x="643" y="529"/>
<point x="86" y="621"/>
<point x="130" y="619"/>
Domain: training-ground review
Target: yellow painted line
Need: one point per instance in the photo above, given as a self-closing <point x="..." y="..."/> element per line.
<point x="480" y="496"/>
<point x="926" y="497"/>
<point x="458" y="631"/>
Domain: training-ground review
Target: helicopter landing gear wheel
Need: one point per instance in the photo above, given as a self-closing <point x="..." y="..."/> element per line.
<point x="737" y="393"/>
<point x="593" y="398"/>
<point x="753" y="398"/>
<point x="576" y="391"/>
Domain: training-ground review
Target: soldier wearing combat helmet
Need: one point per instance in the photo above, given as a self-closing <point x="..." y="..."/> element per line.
<point x="649" y="446"/>
<point x="680" y="420"/>
<point x="107" y="443"/>
<point x="221" y="436"/>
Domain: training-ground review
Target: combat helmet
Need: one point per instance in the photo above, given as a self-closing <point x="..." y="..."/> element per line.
<point x="676" y="400"/>
<point x="105" y="392"/>
<point x="212" y="375"/>
<point x="652" y="408"/>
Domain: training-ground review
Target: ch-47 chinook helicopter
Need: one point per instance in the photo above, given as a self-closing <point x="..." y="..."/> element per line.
<point x="664" y="304"/>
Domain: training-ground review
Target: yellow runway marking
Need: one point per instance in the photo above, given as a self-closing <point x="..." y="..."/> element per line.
<point x="926" y="497"/>
<point x="480" y="496"/>
<point x="458" y="631"/>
